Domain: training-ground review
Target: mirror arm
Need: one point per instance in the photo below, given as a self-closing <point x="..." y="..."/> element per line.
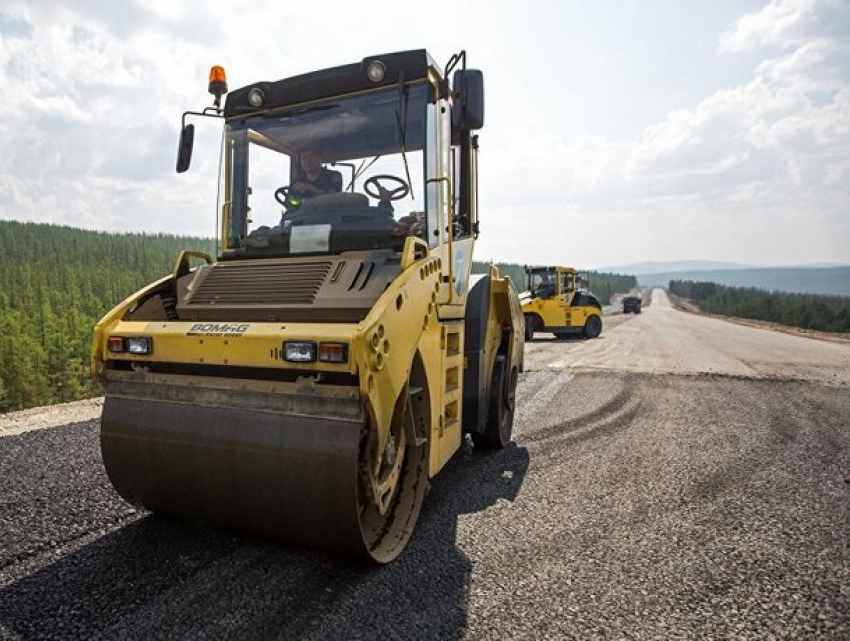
<point x="206" y="113"/>
<point x="187" y="136"/>
<point x="454" y="60"/>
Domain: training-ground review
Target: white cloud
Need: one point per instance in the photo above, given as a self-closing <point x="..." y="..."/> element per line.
<point x="741" y="171"/>
<point x="767" y="26"/>
<point x="94" y="91"/>
<point x="778" y="129"/>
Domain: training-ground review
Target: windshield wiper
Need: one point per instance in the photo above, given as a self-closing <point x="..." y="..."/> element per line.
<point x="401" y="123"/>
<point x="362" y="168"/>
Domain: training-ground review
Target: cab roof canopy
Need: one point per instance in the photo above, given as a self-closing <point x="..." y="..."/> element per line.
<point x="407" y="65"/>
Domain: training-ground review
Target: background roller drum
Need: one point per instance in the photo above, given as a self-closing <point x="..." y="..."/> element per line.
<point x="490" y="375"/>
<point x="500" y="418"/>
<point x="592" y="327"/>
<point x="531" y="322"/>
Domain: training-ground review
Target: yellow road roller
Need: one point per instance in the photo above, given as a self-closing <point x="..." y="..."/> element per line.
<point x="307" y="382"/>
<point x="556" y="301"/>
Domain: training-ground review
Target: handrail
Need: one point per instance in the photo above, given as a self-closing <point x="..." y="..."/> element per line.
<point x="181" y="267"/>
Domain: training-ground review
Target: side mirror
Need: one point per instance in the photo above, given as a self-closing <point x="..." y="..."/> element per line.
<point x="468" y="109"/>
<point x="184" y="151"/>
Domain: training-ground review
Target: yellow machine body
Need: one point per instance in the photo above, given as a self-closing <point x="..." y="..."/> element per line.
<point x="555" y="302"/>
<point x="307" y="383"/>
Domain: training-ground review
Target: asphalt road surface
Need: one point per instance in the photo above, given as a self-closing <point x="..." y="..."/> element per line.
<point x="678" y="477"/>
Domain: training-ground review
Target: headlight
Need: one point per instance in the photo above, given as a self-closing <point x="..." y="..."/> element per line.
<point x="376" y="71"/>
<point x="299" y="351"/>
<point x="256" y="97"/>
<point x="139" y="345"/>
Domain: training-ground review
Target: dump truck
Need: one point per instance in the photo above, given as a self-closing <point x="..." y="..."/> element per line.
<point x="307" y="382"/>
<point x="557" y="301"/>
<point x="631" y="304"/>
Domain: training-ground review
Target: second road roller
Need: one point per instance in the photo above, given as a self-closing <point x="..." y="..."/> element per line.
<point x="556" y="302"/>
<point x="306" y="382"/>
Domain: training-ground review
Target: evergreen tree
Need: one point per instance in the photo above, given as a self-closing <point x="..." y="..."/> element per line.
<point x="808" y="311"/>
<point x="55" y="284"/>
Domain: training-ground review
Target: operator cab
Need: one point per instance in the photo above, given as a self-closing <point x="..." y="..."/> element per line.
<point x="376" y="144"/>
<point x="549" y="282"/>
<point x="394" y="133"/>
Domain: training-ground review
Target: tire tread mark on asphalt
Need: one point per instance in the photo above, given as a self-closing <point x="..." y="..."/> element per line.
<point x="527" y="408"/>
<point x="607" y="412"/>
<point x="780" y="436"/>
<point x="569" y="433"/>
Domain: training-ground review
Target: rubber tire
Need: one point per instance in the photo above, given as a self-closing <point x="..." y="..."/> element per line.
<point x="529" y="327"/>
<point x="592" y="327"/>
<point x="500" y="416"/>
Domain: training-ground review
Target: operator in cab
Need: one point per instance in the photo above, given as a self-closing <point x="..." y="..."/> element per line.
<point x="314" y="179"/>
<point x="547" y="288"/>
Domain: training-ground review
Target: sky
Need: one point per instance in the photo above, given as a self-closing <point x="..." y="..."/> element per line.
<point x="616" y="131"/>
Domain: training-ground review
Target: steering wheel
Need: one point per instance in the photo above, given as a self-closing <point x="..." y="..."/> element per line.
<point x="383" y="193"/>
<point x="281" y="195"/>
<point x="284" y="197"/>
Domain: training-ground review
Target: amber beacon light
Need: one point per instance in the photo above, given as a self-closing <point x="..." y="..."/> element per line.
<point x="218" y="84"/>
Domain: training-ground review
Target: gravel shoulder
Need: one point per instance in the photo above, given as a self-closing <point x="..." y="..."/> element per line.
<point x="39" y="418"/>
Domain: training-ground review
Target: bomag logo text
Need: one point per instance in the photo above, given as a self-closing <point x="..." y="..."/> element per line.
<point x="217" y="329"/>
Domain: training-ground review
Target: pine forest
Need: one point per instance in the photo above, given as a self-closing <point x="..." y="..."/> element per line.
<point x="807" y="311"/>
<point x="55" y="284"/>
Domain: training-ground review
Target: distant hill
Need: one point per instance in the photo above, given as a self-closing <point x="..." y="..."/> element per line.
<point x="832" y="281"/>
<point x="653" y="267"/>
